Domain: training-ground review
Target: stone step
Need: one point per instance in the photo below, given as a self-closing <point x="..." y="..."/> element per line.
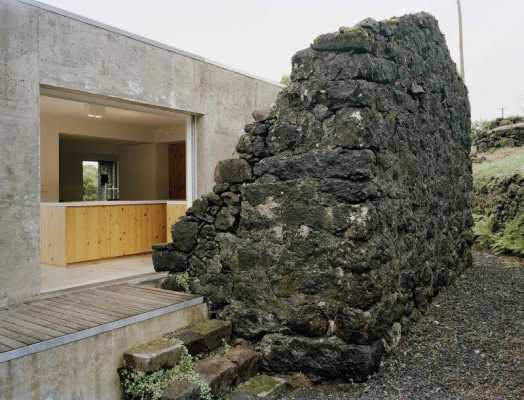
<point x="219" y="372"/>
<point x="152" y="356"/>
<point x="200" y="338"/>
<point x="204" y="336"/>
<point x="261" y="387"/>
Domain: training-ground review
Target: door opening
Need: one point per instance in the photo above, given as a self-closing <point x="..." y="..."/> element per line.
<point x="177" y="171"/>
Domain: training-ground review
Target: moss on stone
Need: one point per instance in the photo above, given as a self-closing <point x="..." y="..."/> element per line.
<point x="260" y="384"/>
<point x="156" y="345"/>
<point x="207" y="326"/>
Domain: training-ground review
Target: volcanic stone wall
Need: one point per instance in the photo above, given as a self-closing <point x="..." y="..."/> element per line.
<point x="504" y="136"/>
<point x="348" y="208"/>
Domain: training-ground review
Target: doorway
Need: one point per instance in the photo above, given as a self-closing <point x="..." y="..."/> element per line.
<point x="177" y="171"/>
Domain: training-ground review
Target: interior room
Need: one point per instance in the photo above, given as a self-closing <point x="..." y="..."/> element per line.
<point x="113" y="178"/>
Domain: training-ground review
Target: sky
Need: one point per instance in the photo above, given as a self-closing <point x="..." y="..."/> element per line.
<point x="260" y="36"/>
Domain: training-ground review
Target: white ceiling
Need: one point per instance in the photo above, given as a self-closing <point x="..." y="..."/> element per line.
<point x="152" y="118"/>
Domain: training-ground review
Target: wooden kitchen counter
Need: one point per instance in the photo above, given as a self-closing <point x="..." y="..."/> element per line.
<point x="83" y="231"/>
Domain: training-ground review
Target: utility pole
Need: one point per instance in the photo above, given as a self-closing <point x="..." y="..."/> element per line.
<point x="461" y="41"/>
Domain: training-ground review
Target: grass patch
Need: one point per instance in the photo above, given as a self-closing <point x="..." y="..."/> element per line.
<point x="500" y="163"/>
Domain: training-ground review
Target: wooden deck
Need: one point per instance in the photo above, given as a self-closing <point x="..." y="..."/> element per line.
<point x="62" y="318"/>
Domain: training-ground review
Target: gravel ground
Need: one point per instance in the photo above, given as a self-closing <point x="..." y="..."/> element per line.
<point x="469" y="345"/>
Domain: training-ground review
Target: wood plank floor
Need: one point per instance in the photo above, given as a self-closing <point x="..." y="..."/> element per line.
<point x="52" y="321"/>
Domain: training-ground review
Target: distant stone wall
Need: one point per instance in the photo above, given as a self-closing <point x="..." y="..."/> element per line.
<point x="511" y="135"/>
<point x="349" y="207"/>
<point x="498" y="210"/>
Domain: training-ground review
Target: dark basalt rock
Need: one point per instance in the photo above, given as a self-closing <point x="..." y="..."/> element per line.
<point x="232" y="171"/>
<point x="185" y="234"/>
<point x="329" y="356"/>
<point x="349" y="206"/>
<point x="167" y="258"/>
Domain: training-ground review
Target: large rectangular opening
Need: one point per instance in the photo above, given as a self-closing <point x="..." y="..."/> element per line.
<point x="113" y="179"/>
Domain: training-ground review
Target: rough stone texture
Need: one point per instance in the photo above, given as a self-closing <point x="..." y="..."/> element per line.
<point x="204" y="336"/>
<point x="154" y="355"/>
<point x="261" y="387"/>
<point x="505" y="135"/>
<point x="219" y="372"/>
<point x="357" y="208"/>
<point x="247" y="362"/>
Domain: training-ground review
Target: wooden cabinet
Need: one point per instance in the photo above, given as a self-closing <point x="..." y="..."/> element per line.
<point x="174" y="211"/>
<point x="82" y="233"/>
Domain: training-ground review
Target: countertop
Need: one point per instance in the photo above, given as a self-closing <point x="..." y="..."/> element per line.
<point x="110" y="203"/>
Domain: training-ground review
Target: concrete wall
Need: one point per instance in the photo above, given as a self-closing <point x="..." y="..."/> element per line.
<point x="39" y="46"/>
<point x="19" y="156"/>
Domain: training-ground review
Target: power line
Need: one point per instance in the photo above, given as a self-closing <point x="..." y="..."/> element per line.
<point x="461" y="41"/>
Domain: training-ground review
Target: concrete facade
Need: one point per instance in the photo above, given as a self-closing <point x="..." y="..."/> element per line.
<point x="40" y="45"/>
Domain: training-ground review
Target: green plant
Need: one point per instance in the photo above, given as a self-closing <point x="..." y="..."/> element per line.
<point x="182" y="280"/>
<point x="89" y="182"/>
<point x="482" y="229"/>
<point x="138" y="385"/>
<point x="226" y="345"/>
<point x="511" y="239"/>
<point x="285" y="80"/>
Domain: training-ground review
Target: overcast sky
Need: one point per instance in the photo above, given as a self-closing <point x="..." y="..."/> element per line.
<point x="260" y="36"/>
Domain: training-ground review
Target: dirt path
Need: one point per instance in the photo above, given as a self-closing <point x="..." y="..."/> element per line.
<point x="470" y="344"/>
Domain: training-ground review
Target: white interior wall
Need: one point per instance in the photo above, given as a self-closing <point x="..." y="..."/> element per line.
<point x="145" y="163"/>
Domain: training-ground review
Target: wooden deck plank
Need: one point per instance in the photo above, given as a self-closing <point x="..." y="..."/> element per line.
<point x="148" y="294"/>
<point x="32" y="326"/>
<point x="170" y="296"/>
<point x="109" y="305"/>
<point x="10" y="342"/>
<point x="163" y="291"/>
<point x="140" y="295"/>
<point x="42" y="319"/>
<point x="140" y="292"/>
<point x="4" y="348"/>
<point x="7" y="334"/>
<point x="131" y="298"/>
<point x="67" y="318"/>
<point x="95" y="307"/>
<point x="6" y="323"/>
<point x="82" y="313"/>
<point x="118" y="303"/>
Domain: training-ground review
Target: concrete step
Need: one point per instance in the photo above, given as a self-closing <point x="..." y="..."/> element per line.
<point x="261" y="387"/>
<point x="219" y="372"/>
<point x="204" y="337"/>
